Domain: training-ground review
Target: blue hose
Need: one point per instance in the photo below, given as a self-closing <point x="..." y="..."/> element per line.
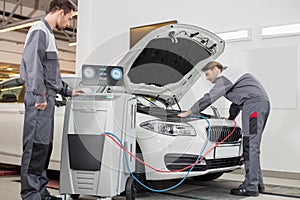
<point x="183" y="179"/>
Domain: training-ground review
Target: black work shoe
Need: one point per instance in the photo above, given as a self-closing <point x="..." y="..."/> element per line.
<point x="51" y="197"/>
<point x="261" y="188"/>
<point x="243" y="192"/>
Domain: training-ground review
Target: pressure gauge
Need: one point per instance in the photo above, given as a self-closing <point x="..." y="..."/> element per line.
<point x="102" y="75"/>
<point x="89" y="72"/>
<point x="116" y="74"/>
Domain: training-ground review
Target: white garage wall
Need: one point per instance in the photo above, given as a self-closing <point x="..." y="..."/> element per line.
<point x="100" y="21"/>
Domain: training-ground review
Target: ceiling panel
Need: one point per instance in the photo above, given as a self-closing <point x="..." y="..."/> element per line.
<point x="11" y="43"/>
<point x="36" y="4"/>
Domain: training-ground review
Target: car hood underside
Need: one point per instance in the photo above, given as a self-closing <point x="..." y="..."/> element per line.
<point x="167" y="115"/>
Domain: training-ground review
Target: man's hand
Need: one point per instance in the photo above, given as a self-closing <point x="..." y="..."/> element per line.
<point x="185" y="114"/>
<point x="41" y="106"/>
<point x="77" y="92"/>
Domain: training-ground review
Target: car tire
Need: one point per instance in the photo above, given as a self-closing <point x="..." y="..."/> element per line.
<point x="208" y="177"/>
<point x="75" y="196"/>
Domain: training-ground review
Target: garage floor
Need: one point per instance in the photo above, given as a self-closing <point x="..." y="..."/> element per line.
<point x="190" y="189"/>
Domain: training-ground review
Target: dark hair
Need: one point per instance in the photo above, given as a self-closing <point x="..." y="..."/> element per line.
<point x="211" y="65"/>
<point x="65" y="5"/>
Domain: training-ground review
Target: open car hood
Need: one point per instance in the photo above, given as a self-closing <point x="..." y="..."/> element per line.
<point x="168" y="61"/>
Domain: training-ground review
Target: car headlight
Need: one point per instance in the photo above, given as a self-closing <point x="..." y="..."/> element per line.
<point x="169" y="128"/>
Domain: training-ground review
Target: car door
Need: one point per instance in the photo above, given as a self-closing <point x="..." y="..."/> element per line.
<point x="11" y="120"/>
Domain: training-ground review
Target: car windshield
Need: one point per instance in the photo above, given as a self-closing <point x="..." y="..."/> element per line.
<point x="11" y="90"/>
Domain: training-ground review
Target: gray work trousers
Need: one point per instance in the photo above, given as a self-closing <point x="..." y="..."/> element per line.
<point x="254" y="117"/>
<point x="37" y="148"/>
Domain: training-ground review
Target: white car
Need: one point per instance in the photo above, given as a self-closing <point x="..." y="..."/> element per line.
<point x="12" y="112"/>
<point x="159" y="70"/>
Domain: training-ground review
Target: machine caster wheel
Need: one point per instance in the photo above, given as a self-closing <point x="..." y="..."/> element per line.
<point x="130" y="189"/>
<point x="75" y="196"/>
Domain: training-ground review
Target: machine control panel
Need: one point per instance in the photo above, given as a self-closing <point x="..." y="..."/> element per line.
<point x="102" y="75"/>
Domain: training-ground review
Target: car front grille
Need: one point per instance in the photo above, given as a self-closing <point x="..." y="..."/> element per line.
<point x="218" y="133"/>
<point x="224" y="162"/>
<point x="177" y="161"/>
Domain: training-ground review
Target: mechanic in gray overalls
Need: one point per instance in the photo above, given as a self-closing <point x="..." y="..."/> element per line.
<point x="247" y="94"/>
<point x="40" y="71"/>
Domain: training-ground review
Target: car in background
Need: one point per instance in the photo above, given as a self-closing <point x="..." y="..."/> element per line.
<point x="12" y="112"/>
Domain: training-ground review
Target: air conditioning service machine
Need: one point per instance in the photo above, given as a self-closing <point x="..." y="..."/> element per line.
<point x="92" y="164"/>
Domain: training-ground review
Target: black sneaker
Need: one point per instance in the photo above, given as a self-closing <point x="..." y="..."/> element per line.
<point x="261" y="188"/>
<point x="243" y="192"/>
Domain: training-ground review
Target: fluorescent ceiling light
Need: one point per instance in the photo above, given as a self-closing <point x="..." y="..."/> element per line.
<point x="14" y="75"/>
<point x="283" y="30"/>
<point x="19" y="25"/>
<point x="75" y="13"/>
<point x="16" y="27"/>
<point x="72" y="44"/>
<point x="9" y="69"/>
<point x="238" y="35"/>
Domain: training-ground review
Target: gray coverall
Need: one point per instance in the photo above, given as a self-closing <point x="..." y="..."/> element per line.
<point x="246" y="94"/>
<point x="40" y="71"/>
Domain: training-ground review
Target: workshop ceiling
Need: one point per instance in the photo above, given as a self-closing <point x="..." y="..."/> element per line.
<point x="14" y="12"/>
<point x="24" y="10"/>
<point x="8" y="70"/>
<point x="37" y="4"/>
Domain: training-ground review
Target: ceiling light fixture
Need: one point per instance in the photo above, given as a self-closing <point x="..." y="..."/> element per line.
<point x="72" y="44"/>
<point x="19" y="25"/>
<point x="282" y="30"/>
<point x="232" y="36"/>
<point x="75" y="14"/>
<point x="16" y="27"/>
<point x="14" y="75"/>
